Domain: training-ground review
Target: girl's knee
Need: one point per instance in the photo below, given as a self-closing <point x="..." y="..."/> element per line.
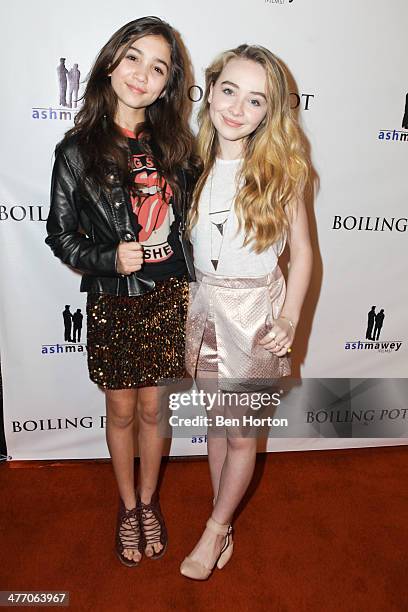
<point x="148" y="412"/>
<point x="120" y="418"/>
<point x="241" y="444"/>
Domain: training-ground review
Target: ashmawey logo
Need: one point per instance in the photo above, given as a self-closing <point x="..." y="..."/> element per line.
<point x="397" y="135"/>
<point x="375" y="322"/>
<point x="72" y="326"/>
<point x="68" y="81"/>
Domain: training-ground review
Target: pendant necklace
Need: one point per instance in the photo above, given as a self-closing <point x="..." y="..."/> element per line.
<point x="216" y="227"/>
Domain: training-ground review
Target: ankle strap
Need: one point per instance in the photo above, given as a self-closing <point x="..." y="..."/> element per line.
<point x="217" y="527"/>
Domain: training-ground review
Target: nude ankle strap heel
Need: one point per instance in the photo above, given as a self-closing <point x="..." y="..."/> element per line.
<point x="196" y="570"/>
<point x="227" y="550"/>
<point x="217" y="527"/>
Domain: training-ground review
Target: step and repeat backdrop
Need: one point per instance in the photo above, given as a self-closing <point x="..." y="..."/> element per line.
<point x="347" y="68"/>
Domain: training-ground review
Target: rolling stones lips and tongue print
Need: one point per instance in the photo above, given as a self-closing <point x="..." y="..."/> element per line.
<point x="151" y="204"/>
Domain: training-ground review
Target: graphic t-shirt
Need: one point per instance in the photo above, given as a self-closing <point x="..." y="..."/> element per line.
<point x="152" y="204"/>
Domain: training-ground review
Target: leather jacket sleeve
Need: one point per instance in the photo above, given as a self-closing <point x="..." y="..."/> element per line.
<point x="65" y="237"/>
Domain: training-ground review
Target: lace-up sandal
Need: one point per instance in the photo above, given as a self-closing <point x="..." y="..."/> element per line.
<point x="128" y="534"/>
<point x="196" y="570"/>
<point x="153" y="525"/>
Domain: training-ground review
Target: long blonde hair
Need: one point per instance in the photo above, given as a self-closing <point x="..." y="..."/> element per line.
<point x="275" y="169"/>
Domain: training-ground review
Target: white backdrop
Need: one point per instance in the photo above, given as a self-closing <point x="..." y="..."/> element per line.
<point x="348" y="65"/>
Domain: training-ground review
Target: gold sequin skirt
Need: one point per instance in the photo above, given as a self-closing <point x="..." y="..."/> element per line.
<point x="137" y="341"/>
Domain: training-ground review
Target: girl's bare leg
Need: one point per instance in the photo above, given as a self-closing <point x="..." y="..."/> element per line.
<point x="216" y="444"/>
<point x="120" y="416"/>
<point x="236" y="475"/>
<point x="217" y="453"/>
<point x="232" y="463"/>
<point x="150" y="447"/>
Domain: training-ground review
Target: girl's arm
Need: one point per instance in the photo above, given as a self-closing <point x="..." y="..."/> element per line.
<point x="300" y="268"/>
<point x="301" y="256"/>
<point x="64" y="236"/>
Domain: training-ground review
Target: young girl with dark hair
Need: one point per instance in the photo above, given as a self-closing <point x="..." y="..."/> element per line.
<point x="120" y="190"/>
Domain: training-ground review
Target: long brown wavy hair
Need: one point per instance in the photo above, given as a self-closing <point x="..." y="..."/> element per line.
<point x="275" y="169"/>
<point x="166" y="133"/>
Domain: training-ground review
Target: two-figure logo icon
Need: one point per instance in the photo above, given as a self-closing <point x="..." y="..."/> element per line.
<point x="72" y="324"/>
<point x="405" y="117"/>
<point x="68" y="79"/>
<point x="374" y="323"/>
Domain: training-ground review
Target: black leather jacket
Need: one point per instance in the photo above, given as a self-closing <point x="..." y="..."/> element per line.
<point x="86" y="223"/>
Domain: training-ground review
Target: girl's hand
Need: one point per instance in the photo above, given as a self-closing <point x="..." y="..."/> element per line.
<point x="129" y="257"/>
<point x="280" y="337"/>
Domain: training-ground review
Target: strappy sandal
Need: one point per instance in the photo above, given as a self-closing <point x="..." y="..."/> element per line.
<point x="153" y="525"/>
<point x="129" y="534"/>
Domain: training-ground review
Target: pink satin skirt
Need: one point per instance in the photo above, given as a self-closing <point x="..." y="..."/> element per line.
<point x="226" y="319"/>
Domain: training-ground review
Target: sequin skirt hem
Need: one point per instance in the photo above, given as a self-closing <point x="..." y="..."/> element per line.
<point x="137" y="341"/>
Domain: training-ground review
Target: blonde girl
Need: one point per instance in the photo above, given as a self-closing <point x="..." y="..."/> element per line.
<point x="246" y="206"/>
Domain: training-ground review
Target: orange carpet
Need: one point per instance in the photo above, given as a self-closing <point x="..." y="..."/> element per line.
<point x="319" y="531"/>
